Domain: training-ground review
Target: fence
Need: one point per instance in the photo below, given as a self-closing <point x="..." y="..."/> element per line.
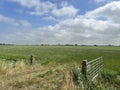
<point x="91" y="69"/>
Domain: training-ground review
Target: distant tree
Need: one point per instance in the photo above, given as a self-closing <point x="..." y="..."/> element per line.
<point x="68" y="45"/>
<point x="76" y="45"/>
<point x="83" y="45"/>
<point x="95" y="45"/>
<point x="109" y="45"/>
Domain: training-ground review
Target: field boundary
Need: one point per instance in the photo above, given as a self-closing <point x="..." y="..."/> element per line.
<point x="91" y="69"/>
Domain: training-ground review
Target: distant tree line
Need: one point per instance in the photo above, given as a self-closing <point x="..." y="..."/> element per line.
<point x="74" y="45"/>
<point x="5" y="44"/>
<point x="62" y="45"/>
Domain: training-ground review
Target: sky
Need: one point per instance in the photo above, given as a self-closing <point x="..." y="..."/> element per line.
<point x="83" y="22"/>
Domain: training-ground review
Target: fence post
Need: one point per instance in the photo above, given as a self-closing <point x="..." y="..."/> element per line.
<point x="84" y="67"/>
<point x="32" y="60"/>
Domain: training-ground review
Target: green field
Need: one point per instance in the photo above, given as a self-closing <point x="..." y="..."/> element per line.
<point x="53" y="67"/>
<point x="63" y="54"/>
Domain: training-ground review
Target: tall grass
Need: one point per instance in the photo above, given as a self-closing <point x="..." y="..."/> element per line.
<point x="107" y="80"/>
<point x="7" y="67"/>
<point x="50" y="77"/>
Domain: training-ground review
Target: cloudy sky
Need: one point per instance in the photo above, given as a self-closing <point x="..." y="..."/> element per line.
<point x="60" y="22"/>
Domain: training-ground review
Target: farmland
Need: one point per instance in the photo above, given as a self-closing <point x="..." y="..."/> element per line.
<point x="50" y="59"/>
<point x="62" y="54"/>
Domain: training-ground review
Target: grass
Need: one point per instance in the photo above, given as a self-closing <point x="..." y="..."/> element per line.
<point x="106" y="80"/>
<point x="37" y="77"/>
<point x="53" y="67"/>
<point x="62" y="54"/>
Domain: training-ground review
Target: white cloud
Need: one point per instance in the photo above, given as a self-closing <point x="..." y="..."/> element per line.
<point x="51" y="18"/>
<point x="27" y="3"/>
<point x="14" y="22"/>
<point x="98" y="1"/>
<point x="8" y="20"/>
<point x="110" y="11"/>
<point x="80" y="30"/>
<point x="83" y="29"/>
<point x="42" y="8"/>
<point x="25" y="23"/>
<point x="38" y="7"/>
<point x="68" y="11"/>
<point x="64" y="4"/>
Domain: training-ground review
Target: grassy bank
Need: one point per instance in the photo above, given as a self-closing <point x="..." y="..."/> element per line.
<point x="52" y="70"/>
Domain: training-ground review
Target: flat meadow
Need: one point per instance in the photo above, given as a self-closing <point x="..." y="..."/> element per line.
<point x="54" y="61"/>
<point x="63" y="54"/>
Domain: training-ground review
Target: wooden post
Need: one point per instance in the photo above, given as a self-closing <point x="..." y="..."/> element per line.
<point x="84" y="67"/>
<point x="32" y="60"/>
